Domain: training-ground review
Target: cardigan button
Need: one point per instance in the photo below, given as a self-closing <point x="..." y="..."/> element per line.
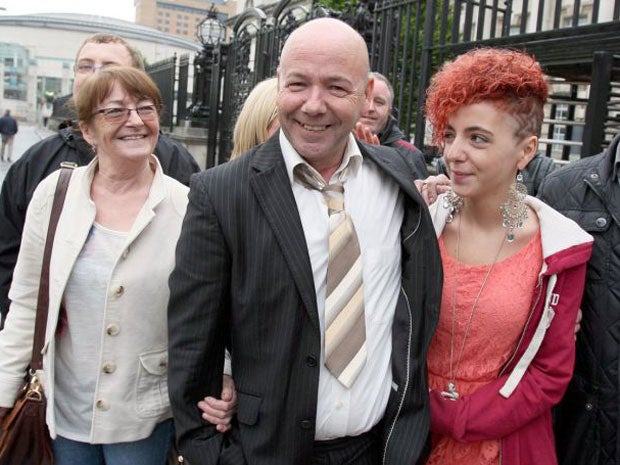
<point x="112" y="329"/>
<point x="101" y="405"/>
<point x="109" y="367"/>
<point x="119" y="291"/>
<point x="601" y="222"/>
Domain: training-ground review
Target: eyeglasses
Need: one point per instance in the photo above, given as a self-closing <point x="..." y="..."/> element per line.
<point x="118" y="114"/>
<point x="89" y="68"/>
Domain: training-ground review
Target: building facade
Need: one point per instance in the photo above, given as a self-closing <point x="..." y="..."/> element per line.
<point x="180" y="17"/>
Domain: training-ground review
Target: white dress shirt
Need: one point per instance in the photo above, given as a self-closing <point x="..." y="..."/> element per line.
<point x="375" y="205"/>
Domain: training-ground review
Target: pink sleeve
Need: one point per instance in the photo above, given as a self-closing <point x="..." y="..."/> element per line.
<point x="485" y="414"/>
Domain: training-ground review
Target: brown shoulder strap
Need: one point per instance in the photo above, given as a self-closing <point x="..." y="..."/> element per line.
<point x="66" y="170"/>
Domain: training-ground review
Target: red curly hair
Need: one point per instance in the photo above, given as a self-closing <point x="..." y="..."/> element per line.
<point x="512" y="80"/>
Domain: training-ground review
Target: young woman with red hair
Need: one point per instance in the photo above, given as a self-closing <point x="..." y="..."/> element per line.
<point x="514" y="269"/>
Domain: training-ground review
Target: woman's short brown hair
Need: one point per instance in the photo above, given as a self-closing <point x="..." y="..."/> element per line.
<point x="98" y="87"/>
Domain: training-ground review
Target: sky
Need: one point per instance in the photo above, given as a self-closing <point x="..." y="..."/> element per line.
<point x="121" y="9"/>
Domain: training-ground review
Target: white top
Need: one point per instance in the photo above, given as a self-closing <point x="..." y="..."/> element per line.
<point x="78" y="343"/>
<point x="375" y="205"/>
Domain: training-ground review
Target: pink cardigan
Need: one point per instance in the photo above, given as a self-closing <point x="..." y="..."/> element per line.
<point x="516" y="407"/>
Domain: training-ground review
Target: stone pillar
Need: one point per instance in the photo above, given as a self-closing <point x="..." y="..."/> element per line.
<point x="194" y="139"/>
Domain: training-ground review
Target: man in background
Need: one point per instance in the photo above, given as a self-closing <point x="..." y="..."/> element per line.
<point x="377" y="117"/>
<point x="587" y="420"/>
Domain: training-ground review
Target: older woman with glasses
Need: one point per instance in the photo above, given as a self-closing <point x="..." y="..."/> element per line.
<point x="106" y="351"/>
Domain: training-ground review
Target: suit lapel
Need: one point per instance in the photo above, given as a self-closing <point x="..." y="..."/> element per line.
<point x="271" y="185"/>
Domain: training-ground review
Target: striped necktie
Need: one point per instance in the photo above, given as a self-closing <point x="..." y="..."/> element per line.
<point x="345" y="327"/>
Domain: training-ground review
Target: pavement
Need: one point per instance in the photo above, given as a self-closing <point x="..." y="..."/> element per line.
<point x="27" y="135"/>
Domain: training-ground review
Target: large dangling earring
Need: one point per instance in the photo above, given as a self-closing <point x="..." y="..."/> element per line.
<point x="514" y="210"/>
<point x="453" y="202"/>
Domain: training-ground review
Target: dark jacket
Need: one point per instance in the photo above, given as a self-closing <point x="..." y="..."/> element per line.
<point x="393" y="137"/>
<point x="8" y="125"/>
<point x="588" y="419"/>
<point x="533" y="174"/>
<point x="37" y="163"/>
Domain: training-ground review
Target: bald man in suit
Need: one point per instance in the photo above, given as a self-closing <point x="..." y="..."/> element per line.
<point x="251" y="272"/>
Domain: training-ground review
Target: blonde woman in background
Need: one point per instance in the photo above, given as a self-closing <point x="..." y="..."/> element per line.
<point x="258" y="119"/>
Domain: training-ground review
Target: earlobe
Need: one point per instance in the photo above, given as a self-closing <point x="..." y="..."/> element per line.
<point x="530" y="145"/>
<point x="86" y="133"/>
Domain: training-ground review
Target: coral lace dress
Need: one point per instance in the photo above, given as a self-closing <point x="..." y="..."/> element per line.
<point x="494" y="330"/>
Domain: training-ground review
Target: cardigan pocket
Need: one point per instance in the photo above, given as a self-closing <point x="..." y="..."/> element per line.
<point x="152" y="384"/>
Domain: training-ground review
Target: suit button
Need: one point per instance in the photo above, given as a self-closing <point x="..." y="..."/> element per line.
<point x="109" y="367"/>
<point x="311" y="361"/>
<point x="305" y="424"/>
<point x="589" y="406"/>
<point x="112" y="329"/>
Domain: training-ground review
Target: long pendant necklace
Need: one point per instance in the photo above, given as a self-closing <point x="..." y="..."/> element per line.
<point x="451" y="391"/>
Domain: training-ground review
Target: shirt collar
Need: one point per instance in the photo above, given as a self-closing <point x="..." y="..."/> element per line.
<point x="352" y="158"/>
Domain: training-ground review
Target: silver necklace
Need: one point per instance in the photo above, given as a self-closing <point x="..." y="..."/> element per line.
<point x="451" y="392"/>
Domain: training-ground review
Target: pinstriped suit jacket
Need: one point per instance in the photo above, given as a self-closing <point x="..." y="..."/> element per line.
<point x="243" y="279"/>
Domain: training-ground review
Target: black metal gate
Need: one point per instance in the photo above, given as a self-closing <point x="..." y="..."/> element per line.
<point x="163" y="73"/>
<point x="409" y="39"/>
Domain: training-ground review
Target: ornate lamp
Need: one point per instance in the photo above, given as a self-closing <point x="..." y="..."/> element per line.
<point x="211" y="31"/>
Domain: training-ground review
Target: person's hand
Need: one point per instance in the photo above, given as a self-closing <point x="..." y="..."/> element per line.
<point x="364" y="134"/>
<point x="578" y="322"/>
<point x="220" y="411"/>
<point x="432" y="186"/>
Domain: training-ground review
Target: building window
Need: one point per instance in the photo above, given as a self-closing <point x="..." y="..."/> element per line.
<point x="561" y="111"/>
<point x="15" y="59"/>
<point x="584" y="16"/>
<point x="515" y="29"/>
